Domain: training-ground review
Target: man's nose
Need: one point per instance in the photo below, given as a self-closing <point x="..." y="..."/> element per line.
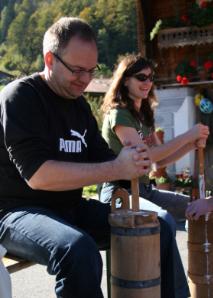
<point x="86" y="77"/>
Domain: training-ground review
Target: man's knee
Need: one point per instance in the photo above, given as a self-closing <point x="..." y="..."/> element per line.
<point x="82" y="251"/>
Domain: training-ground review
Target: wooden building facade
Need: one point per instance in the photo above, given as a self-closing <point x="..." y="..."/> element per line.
<point x="180" y="48"/>
<point x="172" y="44"/>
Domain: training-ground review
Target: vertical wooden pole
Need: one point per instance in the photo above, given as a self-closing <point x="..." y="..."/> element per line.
<point x="201" y="173"/>
<point x="135" y="194"/>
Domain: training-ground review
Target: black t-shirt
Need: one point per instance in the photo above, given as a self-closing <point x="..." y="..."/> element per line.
<point x="37" y="125"/>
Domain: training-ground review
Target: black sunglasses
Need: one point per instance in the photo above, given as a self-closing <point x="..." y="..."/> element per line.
<point x="143" y="77"/>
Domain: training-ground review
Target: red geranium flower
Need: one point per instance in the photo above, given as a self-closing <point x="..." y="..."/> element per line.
<point x="178" y="78"/>
<point x="184" y="81"/>
<point x="208" y="64"/>
<point x="184" y="18"/>
<point x="203" y="4"/>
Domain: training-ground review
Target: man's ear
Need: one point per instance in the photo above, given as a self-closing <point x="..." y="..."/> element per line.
<point x="48" y="59"/>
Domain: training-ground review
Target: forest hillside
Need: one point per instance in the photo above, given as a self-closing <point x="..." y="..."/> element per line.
<point x="23" y="23"/>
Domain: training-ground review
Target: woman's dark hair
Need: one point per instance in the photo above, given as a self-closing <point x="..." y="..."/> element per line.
<point x="117" y="95"/>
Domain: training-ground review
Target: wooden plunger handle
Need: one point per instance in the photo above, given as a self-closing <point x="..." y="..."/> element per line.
<point x="135" y="194"/>
<point x="201" y="160"/>
<point x="201" y="173"/>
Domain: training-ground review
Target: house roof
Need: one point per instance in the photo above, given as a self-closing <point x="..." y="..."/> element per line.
<point x="98" y="85"/>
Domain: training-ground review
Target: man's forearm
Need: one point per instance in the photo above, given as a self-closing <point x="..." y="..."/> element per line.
<point x="59" y="176"/>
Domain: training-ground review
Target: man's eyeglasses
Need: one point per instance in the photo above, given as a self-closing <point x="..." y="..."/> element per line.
<point x="80" y="71"/>
<point x="143" y="77"/>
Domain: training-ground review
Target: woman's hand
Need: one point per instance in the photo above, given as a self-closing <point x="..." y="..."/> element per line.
<point x="199" y="207"/>
<point x="199" y="131"/>
<point x="201" y="143"/>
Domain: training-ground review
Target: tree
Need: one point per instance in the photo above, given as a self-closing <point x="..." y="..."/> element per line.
<point x="23" y="23"/>
<point x="7" y="15"/>
<point x="24" y="39"/>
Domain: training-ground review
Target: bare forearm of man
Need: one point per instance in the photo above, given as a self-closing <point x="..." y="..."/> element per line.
<point x="60" y="176"/>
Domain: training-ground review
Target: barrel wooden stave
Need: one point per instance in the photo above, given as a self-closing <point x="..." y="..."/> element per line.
<point x="196" y="230"/>
<point x="197" y="259"/>
<point x="200" y="290"/>
<point x="200" y="257"/>
<point x="133" y="253"/>
<point x="135" y="259"/>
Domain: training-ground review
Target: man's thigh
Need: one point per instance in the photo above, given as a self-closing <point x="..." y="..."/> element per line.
<point x="34" y="233"/>
<point x="92" y="216"/>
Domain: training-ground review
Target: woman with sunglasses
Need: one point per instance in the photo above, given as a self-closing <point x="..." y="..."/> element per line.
<point x="128" y="108"/>
<point x="129" y="119"/>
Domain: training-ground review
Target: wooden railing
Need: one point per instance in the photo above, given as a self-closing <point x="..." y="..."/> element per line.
<point x="179" y="37"/>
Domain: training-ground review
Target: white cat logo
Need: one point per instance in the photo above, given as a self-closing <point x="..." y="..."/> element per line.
<point x="78" y="135"/>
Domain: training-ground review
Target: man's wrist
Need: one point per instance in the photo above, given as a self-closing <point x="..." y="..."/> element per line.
<point x="114" y="171"/>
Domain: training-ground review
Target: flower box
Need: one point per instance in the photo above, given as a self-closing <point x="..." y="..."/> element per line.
<point x="187" y="190"/>
<point x="164" y="186"/>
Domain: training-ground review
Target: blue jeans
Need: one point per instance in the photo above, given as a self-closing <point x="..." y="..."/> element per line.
<point x="173" y="202"/>
<point x="181" y="288"/>
<point x="67" y="242"/>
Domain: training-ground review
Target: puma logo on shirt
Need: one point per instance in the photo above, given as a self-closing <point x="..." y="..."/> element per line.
<point x="78" y="135"/>
<point x="73" y="146"/>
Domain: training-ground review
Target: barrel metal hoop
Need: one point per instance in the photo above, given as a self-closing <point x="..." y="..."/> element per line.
<point x="135" y="231"/>
<point x="200" y="247"/>
<point x="131" y="284"/>
<point x="200" y="279"/>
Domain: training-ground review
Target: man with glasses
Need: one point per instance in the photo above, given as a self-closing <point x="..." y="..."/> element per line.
<point x="50" y="147"/>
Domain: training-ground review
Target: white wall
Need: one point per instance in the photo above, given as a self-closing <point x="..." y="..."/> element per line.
<point x="176" y="114"/>
<point x="184" y="119"/>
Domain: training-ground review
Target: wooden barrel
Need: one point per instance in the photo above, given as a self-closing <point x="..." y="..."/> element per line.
<point x="200" y="257"/>
<point x="135" y="254"/>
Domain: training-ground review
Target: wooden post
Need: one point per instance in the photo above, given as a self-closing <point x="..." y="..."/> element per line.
<point x="135" y="194"/>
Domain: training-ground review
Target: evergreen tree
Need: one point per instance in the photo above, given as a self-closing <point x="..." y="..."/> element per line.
<point x="23" y="23"/>
<point x="7" y="15"/>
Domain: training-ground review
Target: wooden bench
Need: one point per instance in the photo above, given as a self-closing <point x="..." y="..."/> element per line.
<point x="14" y="264"/>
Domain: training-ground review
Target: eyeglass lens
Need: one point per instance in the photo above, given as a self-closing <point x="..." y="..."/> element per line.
<point x="143" y="77"/>
<point x="91" y="72"/>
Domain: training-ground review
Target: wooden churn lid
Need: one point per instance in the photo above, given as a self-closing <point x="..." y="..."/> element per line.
<point x="125" y="217"/>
